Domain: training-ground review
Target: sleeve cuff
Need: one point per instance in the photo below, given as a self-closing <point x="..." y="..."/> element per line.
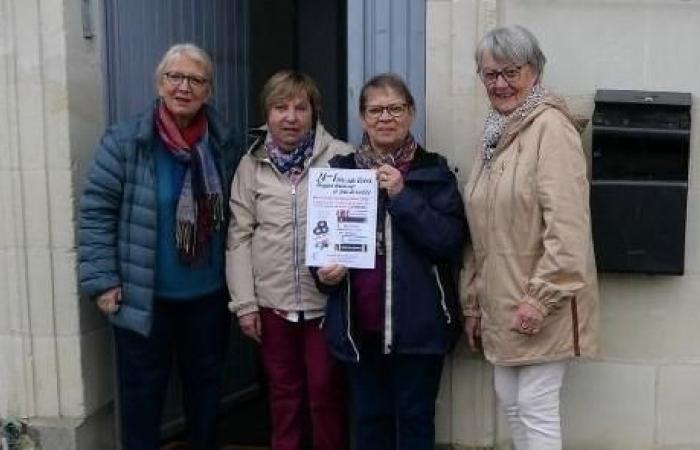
<point x="537" y="305"/>
<point x="471" y="311"/>
<point x="242" y="309"/>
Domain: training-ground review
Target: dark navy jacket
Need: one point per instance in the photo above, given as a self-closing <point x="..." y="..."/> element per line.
<point x="425" y="232"/>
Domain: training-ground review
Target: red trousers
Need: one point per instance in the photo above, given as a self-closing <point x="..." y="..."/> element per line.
<point x="305" y="382"/>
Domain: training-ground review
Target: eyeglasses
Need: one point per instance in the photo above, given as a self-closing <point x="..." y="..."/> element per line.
<point x="510" y="74"/>
<point x="397" y="110"/>
<point x="177" y="78"/>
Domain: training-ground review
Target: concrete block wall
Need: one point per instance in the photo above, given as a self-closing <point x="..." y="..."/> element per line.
<point x="51" y="116"/>
<point x="644" y="390"/>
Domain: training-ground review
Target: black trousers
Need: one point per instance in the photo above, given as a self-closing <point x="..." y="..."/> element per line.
<point x="393" y="399"/>
<point x="194" y="334"/>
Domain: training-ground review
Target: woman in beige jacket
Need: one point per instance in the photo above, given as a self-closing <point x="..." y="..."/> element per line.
<point x="529" y="287"/>
<point x="273" y="293"/>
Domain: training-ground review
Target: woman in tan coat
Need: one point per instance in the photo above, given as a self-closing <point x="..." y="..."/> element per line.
<point x="529" y="287"/>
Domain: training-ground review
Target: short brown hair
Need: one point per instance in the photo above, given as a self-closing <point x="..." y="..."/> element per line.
<point x="384" y="81"/>
<point x="287" y="84"/>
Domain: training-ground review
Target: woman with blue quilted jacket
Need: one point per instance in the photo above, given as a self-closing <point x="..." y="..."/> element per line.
<point x="153" y="219"/>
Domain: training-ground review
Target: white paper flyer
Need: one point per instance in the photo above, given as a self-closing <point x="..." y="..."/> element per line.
<point x="341" y="217"/>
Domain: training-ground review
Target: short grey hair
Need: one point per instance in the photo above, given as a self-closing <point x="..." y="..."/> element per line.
<point x="190" y="51"/>
<point x="511" y="44"/>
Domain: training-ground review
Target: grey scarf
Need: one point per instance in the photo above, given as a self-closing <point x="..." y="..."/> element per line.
<point x="496" y="123"/>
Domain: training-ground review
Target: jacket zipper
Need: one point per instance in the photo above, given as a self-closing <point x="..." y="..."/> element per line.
<point x="442" y="295"/>
<point x="388" y="324"/>
<point x="490" y="219"/>
<point x="295" y="251"/>
<point x="295" y="233"/>
<point x="349" y="328"/>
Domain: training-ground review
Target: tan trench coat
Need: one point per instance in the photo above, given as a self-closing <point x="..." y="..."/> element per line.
<point x="529" y="217"/>
<point x="265" y="256"/>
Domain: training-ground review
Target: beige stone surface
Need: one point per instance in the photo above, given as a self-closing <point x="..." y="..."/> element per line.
<point x="45" y="376"/>
<point x="609" y="406"/>
<point x="678" y="399"/>
<point x="65" y="291"/>
<point x="46" y="123"/>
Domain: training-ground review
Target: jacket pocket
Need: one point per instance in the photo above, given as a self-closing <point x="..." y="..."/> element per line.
<point x="574" y="327"/>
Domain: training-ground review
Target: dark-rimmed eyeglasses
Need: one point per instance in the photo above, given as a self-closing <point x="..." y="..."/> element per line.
<point x="177" y="78"/>
<point x="396" y="110"/>
<point x="510" y="74"/>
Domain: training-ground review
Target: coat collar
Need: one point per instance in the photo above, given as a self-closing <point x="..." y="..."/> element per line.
<point x="425" y="166"/>
<point x="257" y="149"/>
<point x="520" y="124"/>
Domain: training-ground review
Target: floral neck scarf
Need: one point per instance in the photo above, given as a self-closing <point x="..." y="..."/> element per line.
<point x="291" y="163"/>
<point x="496" y="123"/>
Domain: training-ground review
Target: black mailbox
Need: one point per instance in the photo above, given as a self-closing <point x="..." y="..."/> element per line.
<point x="639" y="184"/>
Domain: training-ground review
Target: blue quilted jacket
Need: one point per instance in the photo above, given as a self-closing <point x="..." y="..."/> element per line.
<point x="118" y="214"/>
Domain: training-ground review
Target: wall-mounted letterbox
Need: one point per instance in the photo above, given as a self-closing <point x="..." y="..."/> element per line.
<point x="639" y="182"/>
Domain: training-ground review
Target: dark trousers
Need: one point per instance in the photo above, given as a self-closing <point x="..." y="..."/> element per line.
<point x="305" y="382"/>
<point x="393" y="400"/>
<point x="195" y="334"/>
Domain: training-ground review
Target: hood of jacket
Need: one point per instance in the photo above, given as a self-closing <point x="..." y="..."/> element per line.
<point x="551" y="101"/>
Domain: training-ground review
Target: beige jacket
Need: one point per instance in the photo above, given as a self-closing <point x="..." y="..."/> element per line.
<point x="265" y="255"/>
<point x="530" y="224"/>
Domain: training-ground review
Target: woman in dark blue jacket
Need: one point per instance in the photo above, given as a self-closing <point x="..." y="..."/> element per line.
<point x="393" y="324"/>
<point x="152" y="240"/>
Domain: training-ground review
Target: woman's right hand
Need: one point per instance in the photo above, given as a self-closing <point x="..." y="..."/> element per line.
<point x="333" y="274"/>
<point x="472" y="327"/>
<point x="110" y="300"/>
<point x="251" y="326"/>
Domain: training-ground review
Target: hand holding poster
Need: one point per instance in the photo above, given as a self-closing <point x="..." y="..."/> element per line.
<point x="341" y="218"/>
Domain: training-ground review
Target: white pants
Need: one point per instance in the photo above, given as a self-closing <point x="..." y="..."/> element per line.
<point x="529" y="396"/>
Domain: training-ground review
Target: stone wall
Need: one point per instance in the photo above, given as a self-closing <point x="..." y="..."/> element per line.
<point x="56" y="356"/>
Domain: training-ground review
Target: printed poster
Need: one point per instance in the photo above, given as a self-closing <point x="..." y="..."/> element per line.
<point x="341" y="217"/>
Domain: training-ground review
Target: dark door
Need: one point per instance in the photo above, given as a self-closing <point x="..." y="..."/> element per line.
<point x="306" y="35"/>
<point x="248" y="40"/>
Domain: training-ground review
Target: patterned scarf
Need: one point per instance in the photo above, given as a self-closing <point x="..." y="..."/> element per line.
<point x="200" y="207"/>
<point x="368" y="158"/>
<point x="291" y="162"/>
<point x="496" y="123"/>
